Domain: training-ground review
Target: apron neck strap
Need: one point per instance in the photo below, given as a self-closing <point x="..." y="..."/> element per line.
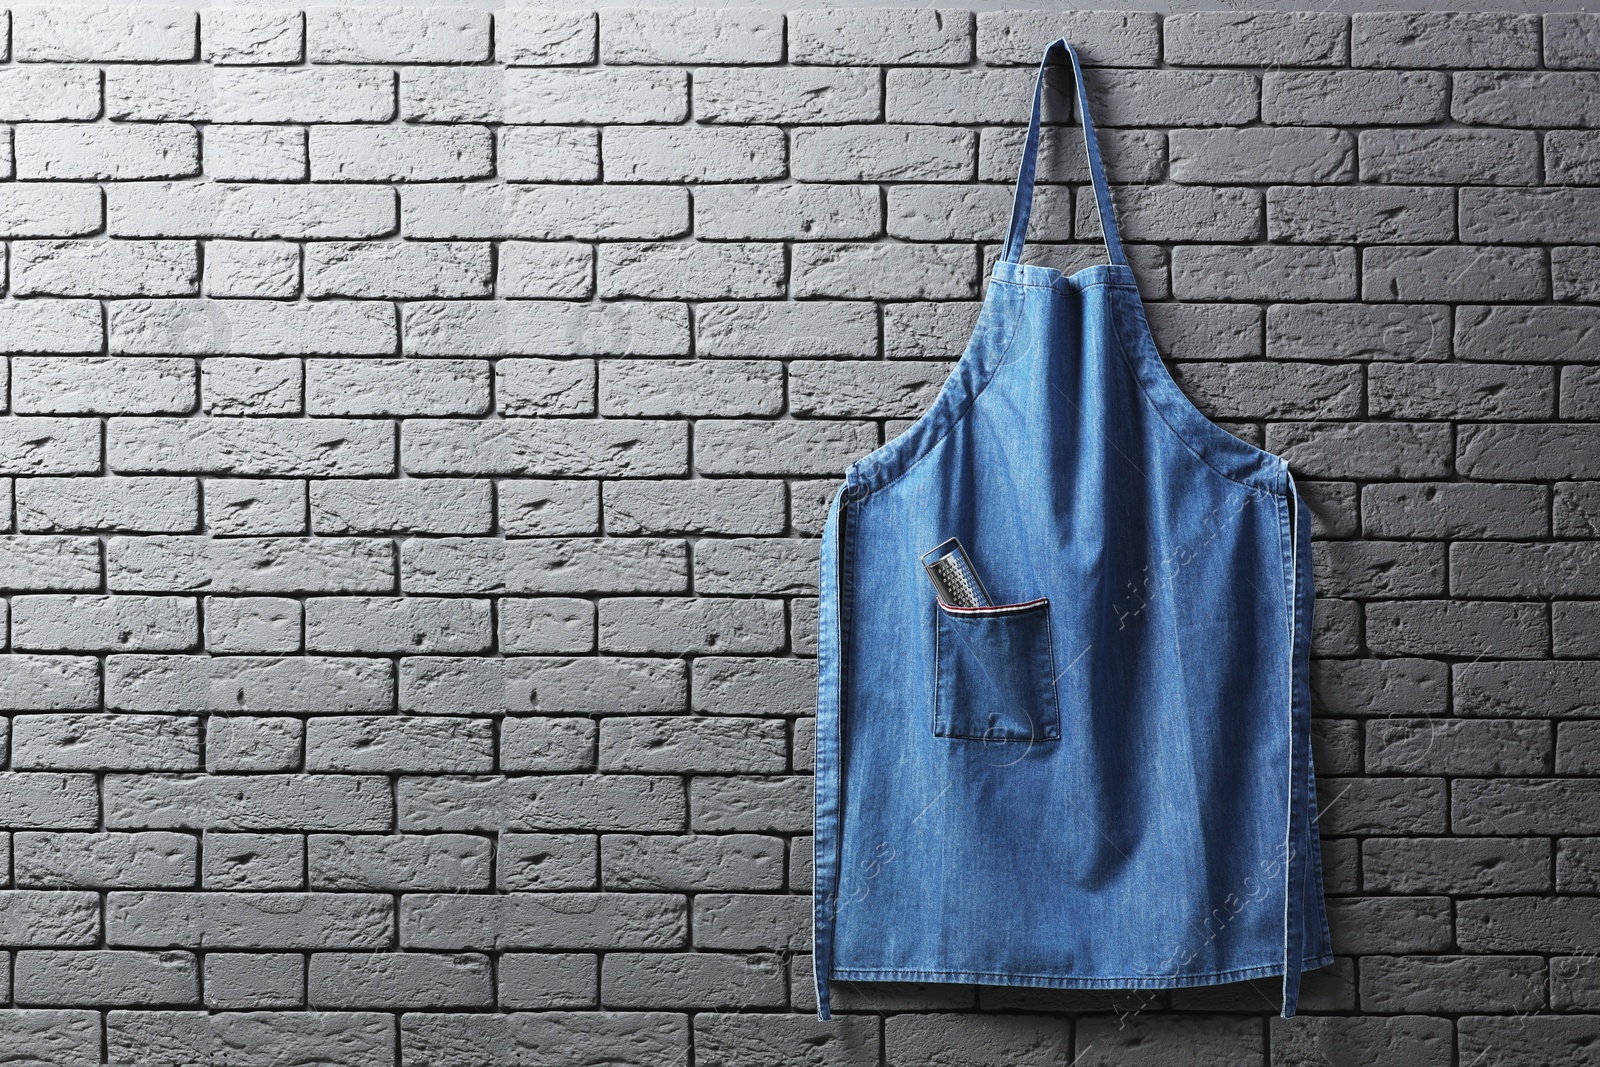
<point x="1022" y="205"/>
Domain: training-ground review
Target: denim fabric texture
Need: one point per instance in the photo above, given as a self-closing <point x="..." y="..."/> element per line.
<point x="1104" y="780"/>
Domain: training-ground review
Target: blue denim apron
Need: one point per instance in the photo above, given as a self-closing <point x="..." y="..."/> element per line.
<point x="1104" y="780"/>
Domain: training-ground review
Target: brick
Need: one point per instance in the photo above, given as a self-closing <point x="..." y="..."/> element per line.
<point x="410" y="35"/>
<point x="253" y="861"/>
<point x="564" y="565"/>
<point x="676" y="625"/>
<point x="104" y="269"/>
<point x="549" y="154"/>
<point x="549" y="979"/>
<point x="1517" y="924"/>
<point x="45" y="94"/>
<point x="1528" y="216"/>
<point x="1455" y="391"/>
<point x="41" y="209"/>
<point x="546" y="328"/>
<point x="256" y="153"/>
<point x="1524" y="689"/>
<point x="1173" y="212"/>
<point x="398" y="863"/>
<point x="691" y="271"/>
<point x="1102" y="38"/>
<point x="98" y="34"/>
<point x="361" y="1039"/>
<point x="242" y="94"/>
<point x="690" y="387"/>
<point x="1571" y="41"/>
<point x="1466" y="865"/>
<point x="1466" y="273"/>
<point x="723" y="1039"/>
<point x="1009" y="1038"/>
<point x="547" y="861"/>
<point x="699" y="506"/>
<point x="781" y="328"/>
<point x="248" y="447"/>
<point x="544" y="212"/>
<point x="1571" y="158"/>
<point x="254" y="980"/>
<point x="65" y="976"/>
<point x="787" y="95"/>
<point x="251" y="269"/>
<point x="1509" y="569"/>
<point x="1453" y="509"/>
<point x="538" y="269"/>
<point x="1509" y="98"/>
<point x="655" y="35"/>
<point x="382" y="744"/>
<point x="543" y="921"/>
<point x="1443" y="39"/>
<point x="1353" y="98"/>
<point x="1218" y="272"/>
<point x="945" y="213"/>
<point x="1573" y="273"/>
<point x="1529" y="452"/>
<point x="105" y="742"/>
<point x="1452" y="983"/>
<point x="436" y="506"/>
<point x="751" y="804"/>
<point x="396" y="387"/>
<point x="242" y="36"/>
<point x="693" y="154"/>
<point x="1527" y="1041"/>
<point x="586" y="686"/>
<point x="62" y="1035"/>
<point x="1545" y="334"/>
<point x="98" y="623"/>
<point x="159" y="209"/>
<point x="548" y="508"/>
<point x="1171" y="98"/>
<point x="883" y="37"/>
<point x="882" y="153"/>
<point x="401" y="153"/>
<point x="255" y="507"/>
<point x="399" y="980"/>
<point x="544" y="449"/>
<point x="531" y="37"/>
<point x="31" y="918"/>
<point x="238" y="744"/>
<point x="1444" y="627"/>
<point x="1479" y="746"/>
<point x="545" y="97"/>
<point x="1127" y="155"/>
<point x="77" y="385"/>
<point x="547" y="744"/>
<point x="695" y="745"/>
<point x="546" y="625"/>
<point x="586" y="803"/>
<point x="1360" y="214"/>
<point x="263" y="802"/>
<point x="51" y="326"/>
<point x="527" y="1039"/>
<point x="1448" y="157"/>
<point x="156" y="860"/>
<point x="782" y="447"/>
<point x="788" y="212"/>
<point x="48" y="563"/>
<point x="666" y="980"/>
<point x="64" y="151"/>
<point x="895" y="271"/>
<point x="1256" y="38"/>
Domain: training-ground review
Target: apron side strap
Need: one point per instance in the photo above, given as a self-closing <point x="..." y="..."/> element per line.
<point x="1022" y="202"/>
<point x="1300" y="837"/>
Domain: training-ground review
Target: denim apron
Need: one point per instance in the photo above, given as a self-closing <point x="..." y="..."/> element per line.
<point x="1103" y="780"/>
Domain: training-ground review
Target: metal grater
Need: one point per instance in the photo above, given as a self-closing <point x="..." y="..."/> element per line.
<point x="953" y="577"/>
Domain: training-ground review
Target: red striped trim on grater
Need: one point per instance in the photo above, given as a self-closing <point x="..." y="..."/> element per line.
<point x="995" y="609"/>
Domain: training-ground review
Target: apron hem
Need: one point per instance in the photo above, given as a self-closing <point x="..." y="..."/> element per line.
<point x="1181" y="981"/>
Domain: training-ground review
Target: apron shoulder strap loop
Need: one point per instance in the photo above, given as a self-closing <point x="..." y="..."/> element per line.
<point x="1022" y="205"/>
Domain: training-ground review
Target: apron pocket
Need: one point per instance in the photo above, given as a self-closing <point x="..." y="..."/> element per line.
<point x="994" y="673"/>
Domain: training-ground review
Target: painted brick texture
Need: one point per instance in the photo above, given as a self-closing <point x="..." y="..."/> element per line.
<point x="418" y="428"/>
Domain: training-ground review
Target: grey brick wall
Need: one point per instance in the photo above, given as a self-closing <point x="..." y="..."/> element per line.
<point x="420" y="423"/>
